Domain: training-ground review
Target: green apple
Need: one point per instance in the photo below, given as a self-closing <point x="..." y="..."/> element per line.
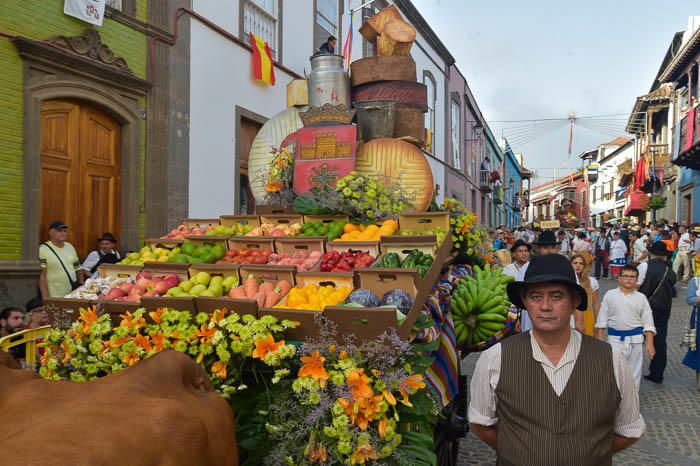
<point x="172" y="291"/>
<point x="197" y="290"/>
<point x="202" y="278"/>
<point x="178" y="293"/>
<point x="217" y="289"/>
<point x="134" y="256"/>
<point x="229" y="282"/>
<point x="186" y="286"/>
<point x="146" y="249"/>
<point x="208" y="294"/>
<point x="217" y="280"/>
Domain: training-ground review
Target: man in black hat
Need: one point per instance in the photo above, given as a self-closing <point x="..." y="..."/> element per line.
<point x="520" y="252"/>
<point x="528" y="402"/>
<point x="106" y="253"/>
<point x="546" y="243"/>
<point x="59" y="263"/>
<point x="657" y="286"/>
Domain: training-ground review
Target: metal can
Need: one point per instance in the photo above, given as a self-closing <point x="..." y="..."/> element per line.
<point x="328" y="82"/>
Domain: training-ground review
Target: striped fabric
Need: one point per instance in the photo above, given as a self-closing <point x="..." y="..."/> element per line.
<point x="539" y="426"/>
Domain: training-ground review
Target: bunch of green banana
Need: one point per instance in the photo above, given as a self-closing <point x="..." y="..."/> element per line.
<point x="480" y="305"/>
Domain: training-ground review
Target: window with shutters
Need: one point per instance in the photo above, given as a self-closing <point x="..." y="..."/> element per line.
<point x="260" y="18"/>
<point x="456" y="124"/>
<point x="128" y="7"/>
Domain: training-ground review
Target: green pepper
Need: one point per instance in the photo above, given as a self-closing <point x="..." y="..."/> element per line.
<point x="391" y="261"/>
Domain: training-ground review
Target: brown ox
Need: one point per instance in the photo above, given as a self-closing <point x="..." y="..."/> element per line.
<point x="162" y="411"/>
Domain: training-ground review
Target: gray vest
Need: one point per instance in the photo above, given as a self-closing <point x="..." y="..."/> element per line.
<point x="536" y="427"/>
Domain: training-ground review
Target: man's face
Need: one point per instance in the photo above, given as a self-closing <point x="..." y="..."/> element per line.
<point x="14" y="322"/>
<point x="550" y="306"/>
<point x="634" y="237"/>
<point x="58" y="235"/>
<point x="682" y="230"/>
<point x="521" y="254"/>
<point x="106" y="246"/>
<point x="548" y="249"/>
<point x="331" y="43"/>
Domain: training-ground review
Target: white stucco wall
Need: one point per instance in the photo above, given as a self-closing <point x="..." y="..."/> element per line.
<point x="608" y="170"/>
<point x="220" y="80"/>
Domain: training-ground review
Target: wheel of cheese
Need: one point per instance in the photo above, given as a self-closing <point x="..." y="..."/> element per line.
<point x="398" y="162"/>
<point x="272" y="134"/>
<point x="409" y="125"/>
<point x="404" y="93"/>
<point x="382" y="68"/>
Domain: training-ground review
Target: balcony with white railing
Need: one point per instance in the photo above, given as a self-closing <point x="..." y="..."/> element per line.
<point x="485" y="181"/>
<point x="262" y="22"/>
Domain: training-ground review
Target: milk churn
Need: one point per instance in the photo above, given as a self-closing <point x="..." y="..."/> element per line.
<point x="328" y="82"/>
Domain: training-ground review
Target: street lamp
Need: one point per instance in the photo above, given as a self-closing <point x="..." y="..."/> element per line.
<point x="477" y="129"/>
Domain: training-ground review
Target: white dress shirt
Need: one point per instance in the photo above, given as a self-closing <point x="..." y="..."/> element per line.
<point x="513" y="270"/>
<point x="639" y="247"/>
<point x="624" y="312"/>
<point x="618" y="249"/>
<point x="482" y="407"/>
<point x="684" y="243"/>
<point x="642" y="269"/>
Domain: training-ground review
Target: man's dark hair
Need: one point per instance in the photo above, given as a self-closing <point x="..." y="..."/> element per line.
<point x="616" y="233"/>
<point x="330" y="38"/>
<point x="659" y="225"/>
<point x="581" y="234"/>
<point x="634" y="232"/>
<point x="630" y="268"/>
<point x="34" y="303"/>
<point x="665" y="234"/>
<point x="7" y="312"/>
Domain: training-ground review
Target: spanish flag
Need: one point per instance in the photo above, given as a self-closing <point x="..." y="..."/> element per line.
<point x="263" y="69"/>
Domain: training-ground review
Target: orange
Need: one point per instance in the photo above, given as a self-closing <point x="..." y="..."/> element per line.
<point x="349" y="228"/>
<point x="363" y="227"/>
<point x="391" y="223"/>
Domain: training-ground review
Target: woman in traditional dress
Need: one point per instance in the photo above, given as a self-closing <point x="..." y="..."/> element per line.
<point x="618" y="255"/>
<point x="585" y="320"/>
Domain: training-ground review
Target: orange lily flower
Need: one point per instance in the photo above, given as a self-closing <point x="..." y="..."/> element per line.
<point x="410" y="385"/>
<point x="88" y="316"/>
<point x="218" y="315"/>
<point x="266" y="345"/>
<point x="343" y="355"/>
<point x="113" y="344"/>
<point x="389" y="397"/>
<point x="143" y="342"/>
<point x="359" y="384"/>
<point x="205" y="333"/>
<point x="129" y="321"/>
<point x="313" y="367"/>
<point x="131" y="358"/>
<point x="357" y="415"/>
<point x="383" y="424"/>
<point x="318" y="454"/>
<point x="363" y="453"/>
<point x="158" y="339"/>
<point x="157" y="316"/>
<point x="66" y="350"/>
<point x="219" y="369"/>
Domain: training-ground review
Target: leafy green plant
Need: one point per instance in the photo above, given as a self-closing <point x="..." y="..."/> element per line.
<point x="656" y="202"/>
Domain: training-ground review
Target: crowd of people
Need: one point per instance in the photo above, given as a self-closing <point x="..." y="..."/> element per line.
<point x="560" y="341"/>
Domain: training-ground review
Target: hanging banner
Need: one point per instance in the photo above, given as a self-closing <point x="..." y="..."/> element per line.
<point x="90" y="11"/>
<point x="263" y="66"/>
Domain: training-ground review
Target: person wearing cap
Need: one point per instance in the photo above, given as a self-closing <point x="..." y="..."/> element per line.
<point x="657" y="286"/>
<point x="59" y="264"/>
<point x="105" y="253"/>
<point x="552" y="396"/>
<point x="520" y="252"/>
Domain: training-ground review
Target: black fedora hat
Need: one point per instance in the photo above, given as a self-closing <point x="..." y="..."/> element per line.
<point x="546" y="238"/>
<point x="550" y="268"/>
<point x="519" y="243"/>
<point x="659" y="248"/>
<point x="107" y="237"/>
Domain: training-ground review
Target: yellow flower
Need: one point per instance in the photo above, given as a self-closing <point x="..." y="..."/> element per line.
<point x="219" y="369"/>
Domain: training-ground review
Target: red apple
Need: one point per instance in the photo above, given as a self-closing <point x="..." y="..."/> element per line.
<point x="144" y="283"/>
<point x="132" y="298"/>
<point x="116" y="293"/>
<point x="151" y="294"/>
<point x="172" y="280"/>
<point x="162" y="287"/>
<point x="137" y="290"/>
<point x="126" y="287"/>
<point x="145" y="275"/>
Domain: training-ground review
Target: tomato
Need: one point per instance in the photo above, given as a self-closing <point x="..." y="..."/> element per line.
<point x="255" y="252"/>
<point x="238" y="260"/>
<point x="259" y="260"/>
<point x="244" y="252"/>
<point x="267" y="252"/>
<point x="248" y="260"/>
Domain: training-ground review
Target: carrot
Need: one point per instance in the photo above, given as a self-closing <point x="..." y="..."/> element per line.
<point x="267" y="288"/>
<point x="260" y="298"/>
<point x="250" y="285"/>
<point x="284" y="287"/>
<point x="273" y="297"/>
<point x="238" y="293"/>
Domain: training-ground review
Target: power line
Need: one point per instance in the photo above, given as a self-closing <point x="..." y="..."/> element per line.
<point x="566" y="118"/>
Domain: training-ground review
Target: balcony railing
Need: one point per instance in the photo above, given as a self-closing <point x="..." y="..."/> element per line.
<point x="689" y="151"/>
<point x="261" y="23"/>
<point x="485" y="181"/>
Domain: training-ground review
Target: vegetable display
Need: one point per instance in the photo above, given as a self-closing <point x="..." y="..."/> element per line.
<point x="272" y="229"/>
<point x="266" y="294"/>
<point x="369" y="232"/>
<point x="416" y="259"/>
<point x="331" y="231"/>
<point x="246" y="256"/>
<point x="399" y="299"/>
<point x="334" y="261"/>
<point x="203" y="284"/>
<point x="479" y="305"/>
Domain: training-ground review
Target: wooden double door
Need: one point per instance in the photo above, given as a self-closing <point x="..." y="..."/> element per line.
<point x="80" y="172"/>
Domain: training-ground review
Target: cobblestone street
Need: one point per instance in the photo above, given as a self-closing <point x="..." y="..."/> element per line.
<point x="671" y="410"/>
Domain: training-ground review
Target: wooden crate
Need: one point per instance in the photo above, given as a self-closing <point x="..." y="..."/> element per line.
<point x="282" y="219"/>
<point x="165" y="243"/>
<point x="273" y="209"/>
<point x="200" y="222"/>
<point x="116" y="309"/>
<point x="403" y="245"/>
<point x="370" y="247"/>
<point x="118" y="270"/>
<point x="161" y="269"/>
<point x="325" y="218"/>
<point x="303" y="243"/>
<point x="210" y="240"/>
<point x="424" y="221"/>
<point x="239" y="306"/>
<point x="215" y="270"/>
<point x="185" y="303"/>
<point x="62" y="312"/>
<point x="230" y="220"/>
<point x="252" y="242"/>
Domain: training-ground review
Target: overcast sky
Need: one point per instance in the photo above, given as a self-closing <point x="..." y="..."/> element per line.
<point x="547" y="58"/>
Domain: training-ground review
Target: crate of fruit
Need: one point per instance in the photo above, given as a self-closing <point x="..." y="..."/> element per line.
<point x="164" y="243"/>
<point x="255" y="252"/>
<point x="325" y="219"/>
<point x="425" y="223"/>
<point x="312" y="294"/>
<point x="252" y="243"/>
<point x="372" y="232"/>
<point x="200" y="223"/>
<point x="345" y="261"/>
<point x="330" y="227"/>
<point x="118" y="270"/>
<point x="239" y="225"/>
<point x="302" y="253"/>
<point x="209" y="280"/>
<point x="264" y="285"/>
<point x="370" y="247"/>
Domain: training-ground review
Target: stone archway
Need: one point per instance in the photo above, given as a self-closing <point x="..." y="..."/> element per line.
<point x="84" y="69"/>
